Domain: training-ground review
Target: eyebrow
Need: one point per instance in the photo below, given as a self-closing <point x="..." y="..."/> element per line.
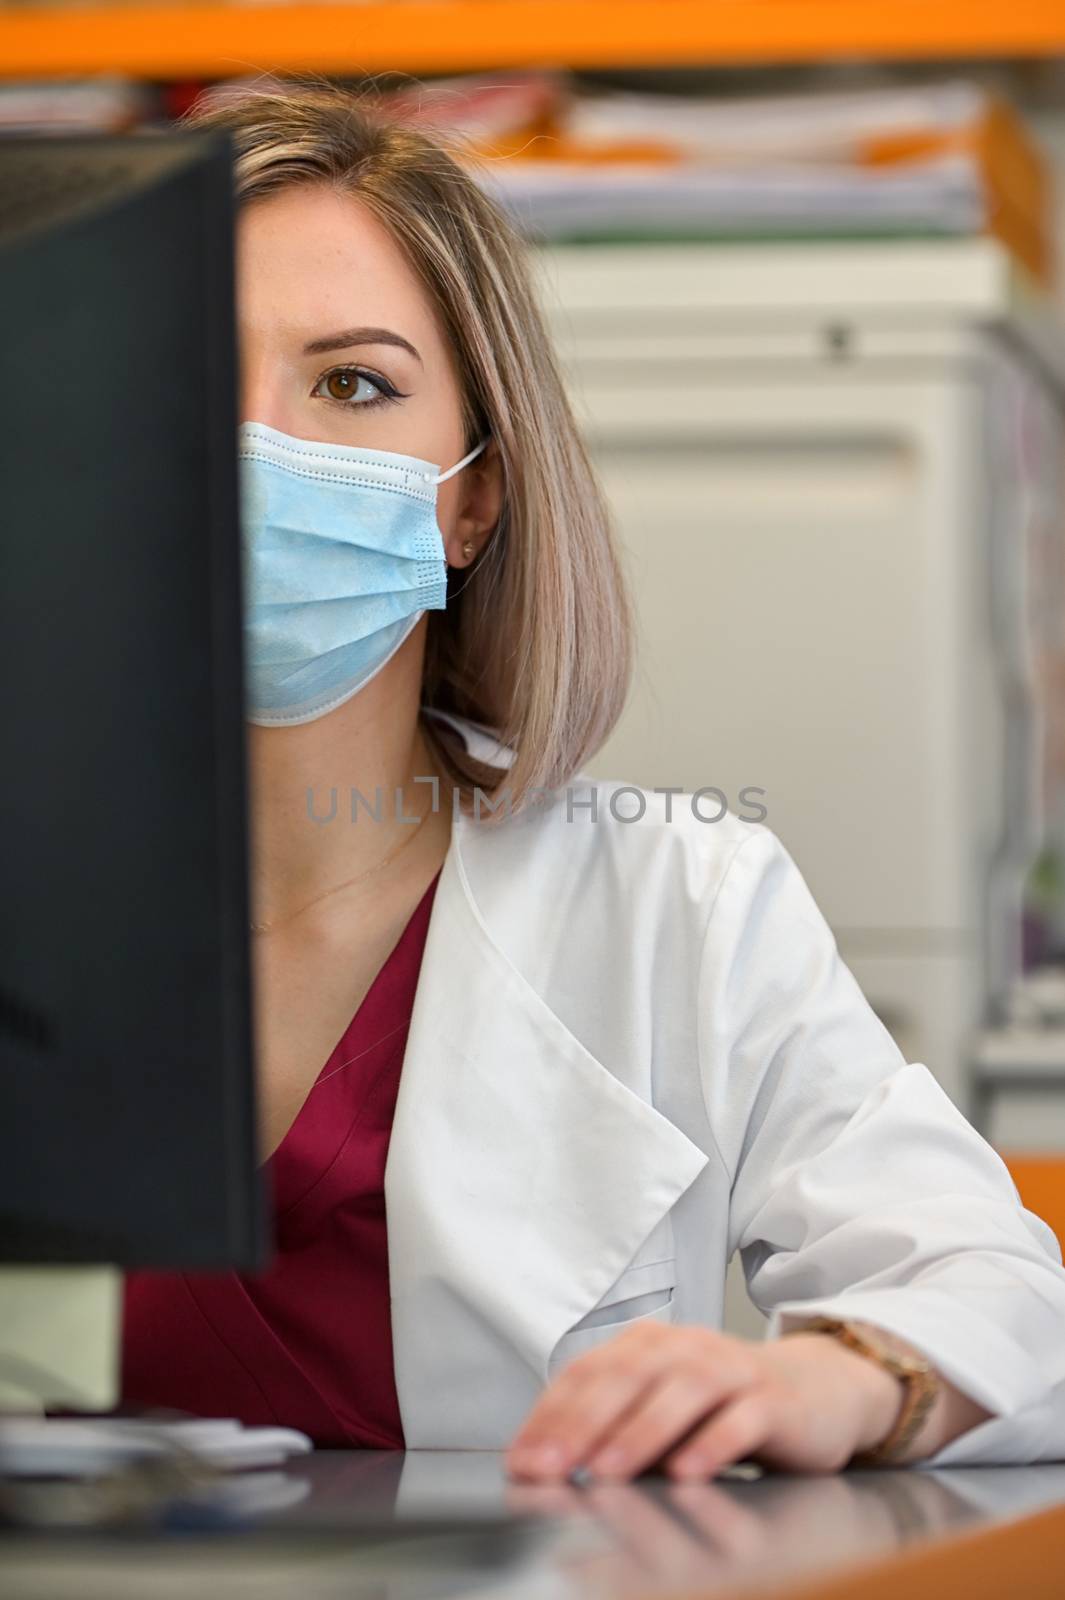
<point x="353" y="336"/>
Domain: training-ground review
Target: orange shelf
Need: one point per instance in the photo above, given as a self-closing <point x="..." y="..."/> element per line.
<point x="212" y="40"/>
<point x="1040" y="1181"/>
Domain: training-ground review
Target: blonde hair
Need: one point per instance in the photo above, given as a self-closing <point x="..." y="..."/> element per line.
<point x="536" y="642"/>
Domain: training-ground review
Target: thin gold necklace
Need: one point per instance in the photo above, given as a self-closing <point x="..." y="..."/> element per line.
<point x="277" y="922"/>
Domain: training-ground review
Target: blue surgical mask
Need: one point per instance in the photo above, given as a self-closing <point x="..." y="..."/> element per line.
<point x="342" y="555"/>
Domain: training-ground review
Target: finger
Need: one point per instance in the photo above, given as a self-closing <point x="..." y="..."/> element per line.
<point x="740" y="1427"/>
<point x="666" y="1412"/>
<point x="573" y="1432"/>
<point x="592" y="1391"/>
<point x="661" y="1346"/>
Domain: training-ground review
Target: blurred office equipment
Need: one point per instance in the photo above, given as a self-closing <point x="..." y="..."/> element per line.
<point x="127" y="1131"/>
<point x="91" y="1446"/>
<point x="1018" y="1090"/>
<point x="1013" y="1062"/>
<point x="100" y="105"/>
<point x="839" y="477"/>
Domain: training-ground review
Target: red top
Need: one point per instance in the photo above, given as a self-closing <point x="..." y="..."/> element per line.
<point x="308" y="1342"/>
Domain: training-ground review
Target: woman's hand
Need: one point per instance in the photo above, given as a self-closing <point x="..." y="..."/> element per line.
<point x="694" y="1399"/>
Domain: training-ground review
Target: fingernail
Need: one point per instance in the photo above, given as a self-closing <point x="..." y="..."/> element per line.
<point x="609" y="1462"/>
<point x="690" y="1467"/>
<point x="540" y="1458"/>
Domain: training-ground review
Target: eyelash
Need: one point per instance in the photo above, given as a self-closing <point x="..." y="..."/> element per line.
<point x="389" y="394"/>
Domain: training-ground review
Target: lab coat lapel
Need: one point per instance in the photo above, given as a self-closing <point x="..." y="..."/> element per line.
<point x="522" y="1178"/>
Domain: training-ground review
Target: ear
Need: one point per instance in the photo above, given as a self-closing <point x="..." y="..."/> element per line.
<point x="479" y="509"/>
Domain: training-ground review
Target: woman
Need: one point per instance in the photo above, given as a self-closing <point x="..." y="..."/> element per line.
<point x="628" y="1044"/>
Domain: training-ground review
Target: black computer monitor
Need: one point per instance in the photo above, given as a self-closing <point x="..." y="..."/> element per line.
<point x="127" y="1126"/>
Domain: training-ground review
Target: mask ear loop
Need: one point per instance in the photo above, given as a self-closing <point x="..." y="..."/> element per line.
<point x="442" y="476"/>
<point x="439" y="478"/>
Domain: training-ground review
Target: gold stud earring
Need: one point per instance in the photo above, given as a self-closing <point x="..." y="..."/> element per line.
<point x="467" y="548"/>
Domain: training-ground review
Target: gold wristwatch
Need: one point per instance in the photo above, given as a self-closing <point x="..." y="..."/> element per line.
<point x="919" y="1379"/>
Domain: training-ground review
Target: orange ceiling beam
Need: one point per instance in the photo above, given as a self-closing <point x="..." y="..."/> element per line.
<point x="212" y="40"/>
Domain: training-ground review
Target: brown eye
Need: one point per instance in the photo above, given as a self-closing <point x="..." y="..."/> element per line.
<point x="343" y="384"/>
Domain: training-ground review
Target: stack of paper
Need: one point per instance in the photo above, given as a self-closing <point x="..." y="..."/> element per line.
<point x="555" y="201"/>
<point x="942" y="159"/>
<point x="829" y="126"/>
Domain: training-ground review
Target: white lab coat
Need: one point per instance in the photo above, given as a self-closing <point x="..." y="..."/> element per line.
<point x="634" y="1050"/>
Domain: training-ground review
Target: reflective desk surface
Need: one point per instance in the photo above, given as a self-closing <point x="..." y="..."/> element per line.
<point x="356" y="1523"/>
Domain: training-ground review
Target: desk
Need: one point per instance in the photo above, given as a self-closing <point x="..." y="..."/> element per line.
<point x="965" y="1531"/>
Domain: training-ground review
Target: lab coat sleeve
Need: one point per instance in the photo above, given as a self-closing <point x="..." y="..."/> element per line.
<point x="858" y="1188"/>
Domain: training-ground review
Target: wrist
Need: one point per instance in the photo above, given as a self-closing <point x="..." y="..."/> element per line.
<point x="901" y="1391"/>
<point x="871" y="1396"/>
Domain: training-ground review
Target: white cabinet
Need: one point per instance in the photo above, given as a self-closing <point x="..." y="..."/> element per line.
<point x="836" y="472"/>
